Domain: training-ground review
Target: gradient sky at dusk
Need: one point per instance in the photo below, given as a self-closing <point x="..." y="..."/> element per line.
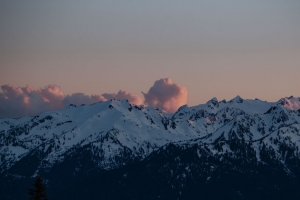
<point x="219" y="48"/>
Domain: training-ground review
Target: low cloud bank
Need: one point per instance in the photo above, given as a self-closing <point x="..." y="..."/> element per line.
<point x="27" y="101"/>
<point x="80" y="98"/>
<point x="132" y="98"/>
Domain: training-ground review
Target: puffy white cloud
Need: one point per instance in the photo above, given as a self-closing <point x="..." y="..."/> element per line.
<point x="166" y="95"/>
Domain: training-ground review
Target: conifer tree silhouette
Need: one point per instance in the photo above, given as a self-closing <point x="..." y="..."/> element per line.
<point x="39" y="190"/>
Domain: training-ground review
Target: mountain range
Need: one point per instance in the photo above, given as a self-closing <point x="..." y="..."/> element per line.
<point x="237" y="149"/>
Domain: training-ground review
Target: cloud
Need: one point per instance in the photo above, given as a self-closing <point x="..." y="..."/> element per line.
<point x="132" y="98"/>
<point x="166" y="95"/>
<point x="53" y="95"/>
<point x="80" y="98"/>
<point x="27" y="101"/>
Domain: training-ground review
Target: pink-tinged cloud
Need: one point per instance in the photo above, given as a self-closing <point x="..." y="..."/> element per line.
<point x="53" y="95"/>
<point x="80" y="98"/>
<point x="27" y="101"/>
<point x="166" y="95"/>
<point x="132" y="98"/>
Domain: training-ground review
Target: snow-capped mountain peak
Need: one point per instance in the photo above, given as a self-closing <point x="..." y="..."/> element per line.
<point x="213" y="103"/>
<point x="116" y="126"/>
<point x="237" y="99"/>
<point x="108" y="135"/>
<point x="290" y="103"/>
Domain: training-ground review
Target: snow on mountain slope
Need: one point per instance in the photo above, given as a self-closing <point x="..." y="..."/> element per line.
<point x="248" y="106"/>
<point x="56" y="132"/>
<point x="290" y="103"/>
<point x="109" y="130"/>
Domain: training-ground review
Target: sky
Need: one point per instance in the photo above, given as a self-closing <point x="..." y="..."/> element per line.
<point x="163" y="53"/>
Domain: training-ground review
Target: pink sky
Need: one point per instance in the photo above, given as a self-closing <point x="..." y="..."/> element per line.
<point x="212" y="48"/>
